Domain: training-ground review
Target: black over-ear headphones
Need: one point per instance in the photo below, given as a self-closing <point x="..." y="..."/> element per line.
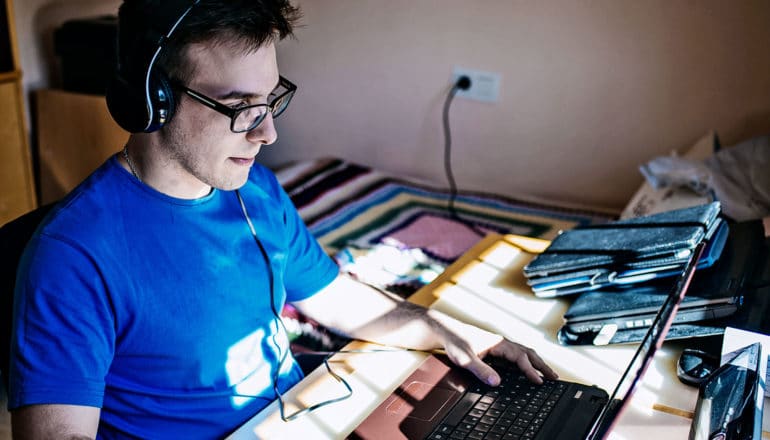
<point x="139" y="97"/>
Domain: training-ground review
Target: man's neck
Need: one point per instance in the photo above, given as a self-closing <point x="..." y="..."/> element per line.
<point x="148" y="164"/>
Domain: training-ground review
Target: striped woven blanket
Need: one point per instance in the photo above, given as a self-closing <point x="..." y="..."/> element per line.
<point x="397" y="232"/>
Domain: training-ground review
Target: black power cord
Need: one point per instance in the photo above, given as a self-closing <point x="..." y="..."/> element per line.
<point x="462" y="83"/>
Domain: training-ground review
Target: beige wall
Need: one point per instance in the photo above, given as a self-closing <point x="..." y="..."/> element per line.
<point x="35" y="23"/>
<point x="590" y="89"/>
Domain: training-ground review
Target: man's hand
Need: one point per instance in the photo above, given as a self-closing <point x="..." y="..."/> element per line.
<point x="466" y="345"/>
<point x="529" y="362"/>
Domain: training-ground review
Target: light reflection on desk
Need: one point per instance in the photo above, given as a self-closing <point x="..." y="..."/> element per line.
<point x="486" y="287"/>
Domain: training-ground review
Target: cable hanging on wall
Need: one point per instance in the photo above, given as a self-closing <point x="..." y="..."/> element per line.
<point x="462" y="83"/>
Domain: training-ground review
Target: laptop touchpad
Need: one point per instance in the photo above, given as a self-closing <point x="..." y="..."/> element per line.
<point x="421" y="400"/>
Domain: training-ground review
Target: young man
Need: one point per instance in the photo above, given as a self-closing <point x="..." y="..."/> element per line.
<point x="147" y="303"/>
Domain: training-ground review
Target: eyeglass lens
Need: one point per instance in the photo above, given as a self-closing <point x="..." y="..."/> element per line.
<point x="250" y="117"/>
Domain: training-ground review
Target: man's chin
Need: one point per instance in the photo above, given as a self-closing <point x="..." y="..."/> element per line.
<point x="231" y="185"/>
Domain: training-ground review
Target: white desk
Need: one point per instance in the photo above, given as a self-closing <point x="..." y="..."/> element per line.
<point x="486" y="287"/>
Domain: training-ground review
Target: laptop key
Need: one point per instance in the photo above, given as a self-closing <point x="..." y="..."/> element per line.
<point x="527" y="416"/>
<point x="470" y="420"/>
<point x="461" y="408"/>
<point x="488" y="420"/>
<point x="483" y="427"/>
<point x="500" y="429"/>
<point x="465" y="427"/>
<point x="488" y="398"/>
<point x="521" y="423"/>
<point x="481" y="406"/>
<point x="476" y="412"/>
<point x="500" y="404"/>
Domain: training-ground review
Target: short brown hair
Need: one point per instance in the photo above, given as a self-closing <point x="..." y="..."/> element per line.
<point x="248" y="24"/>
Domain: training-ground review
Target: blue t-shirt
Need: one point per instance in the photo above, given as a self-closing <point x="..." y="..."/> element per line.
<point x="157" y="309"/>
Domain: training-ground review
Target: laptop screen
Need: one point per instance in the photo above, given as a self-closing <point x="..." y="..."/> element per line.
<point x="651" y="342"/>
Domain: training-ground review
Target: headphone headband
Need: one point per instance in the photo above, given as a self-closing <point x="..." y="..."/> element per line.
<point x="140" y="98"/>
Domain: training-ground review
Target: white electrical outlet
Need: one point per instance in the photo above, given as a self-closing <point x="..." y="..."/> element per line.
<point x="485" y="86"/>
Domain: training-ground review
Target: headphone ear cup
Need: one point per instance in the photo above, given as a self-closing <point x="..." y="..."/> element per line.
<point x="162" y="101"/>
<point x="126" y="106"/>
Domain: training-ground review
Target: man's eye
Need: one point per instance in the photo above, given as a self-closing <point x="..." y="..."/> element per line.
<point x="239" y="105"/>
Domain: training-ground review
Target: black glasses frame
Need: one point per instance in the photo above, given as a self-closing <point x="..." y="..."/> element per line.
<point x="283" y="99"/>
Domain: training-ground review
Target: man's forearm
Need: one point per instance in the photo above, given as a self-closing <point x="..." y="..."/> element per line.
<point x="367" y="313"/>
<point x="412" y="326"/>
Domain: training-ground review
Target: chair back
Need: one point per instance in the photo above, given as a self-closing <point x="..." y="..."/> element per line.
<point x="14" y="236"/>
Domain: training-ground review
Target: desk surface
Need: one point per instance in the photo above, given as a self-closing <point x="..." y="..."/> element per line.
<point x="486" y="287"/>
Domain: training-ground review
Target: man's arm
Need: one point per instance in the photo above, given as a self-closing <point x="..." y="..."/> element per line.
<point x="66" y="422"/>
<point x="364" y="312"/>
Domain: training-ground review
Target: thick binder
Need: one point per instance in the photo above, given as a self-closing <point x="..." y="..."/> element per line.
<point x="600" y="278"/>
<point x="664" y="238"/>
<point x="626" y="252"/>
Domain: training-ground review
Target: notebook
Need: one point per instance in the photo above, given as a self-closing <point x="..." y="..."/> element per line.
<point x="441" y="401"/>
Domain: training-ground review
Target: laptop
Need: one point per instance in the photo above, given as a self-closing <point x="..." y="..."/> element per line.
<point x="717" y="292"/>
<point x="440" y="401"/>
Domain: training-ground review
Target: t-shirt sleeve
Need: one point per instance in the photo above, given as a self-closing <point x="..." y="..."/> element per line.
<point x="63" y="338"/>
<point x="308" y="268"/>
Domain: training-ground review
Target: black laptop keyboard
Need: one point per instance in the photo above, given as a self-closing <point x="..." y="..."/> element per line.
<point x="516" y="409"/>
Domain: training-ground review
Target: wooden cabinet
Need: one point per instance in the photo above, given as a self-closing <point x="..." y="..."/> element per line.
<point x="75" y="134"/>
<point x="17" y="190"/>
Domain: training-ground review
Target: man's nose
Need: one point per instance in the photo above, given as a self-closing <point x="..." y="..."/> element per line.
<point x="264" y="133"/>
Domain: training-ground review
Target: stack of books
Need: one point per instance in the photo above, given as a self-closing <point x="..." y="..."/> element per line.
<point x="619" y="273"/>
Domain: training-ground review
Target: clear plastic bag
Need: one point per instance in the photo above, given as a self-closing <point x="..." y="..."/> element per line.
<point x="737" y="176"/>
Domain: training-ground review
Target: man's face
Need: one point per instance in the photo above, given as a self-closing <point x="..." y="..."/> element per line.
<point x="202" y="149"/>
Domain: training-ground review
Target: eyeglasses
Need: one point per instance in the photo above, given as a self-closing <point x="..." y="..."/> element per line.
<point x="247" y="118"/>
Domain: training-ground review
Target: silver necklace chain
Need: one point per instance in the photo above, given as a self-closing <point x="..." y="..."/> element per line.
<point x="130" y="163"/>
